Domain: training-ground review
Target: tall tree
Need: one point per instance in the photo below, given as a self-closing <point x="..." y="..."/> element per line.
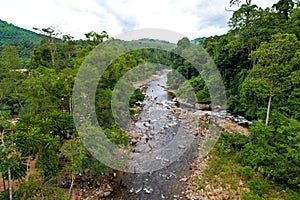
<point x="270" y="75"/>
<point x="56" y="49"/>
<point x="12" y="165"/>
<point x="284" y="7"/>
<point x="94" y="38"/>
<point x="50" y="39"/>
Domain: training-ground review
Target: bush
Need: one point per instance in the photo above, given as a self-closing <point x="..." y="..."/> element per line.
<point x="251" y="196"/>
<point x="258" y="187"/>
<point x="117" y="135"/>
<point x="246" y="172"/>
<point x="137" y="96"/>
<point x="229" y="143"/>
<point x="274" y="151"/>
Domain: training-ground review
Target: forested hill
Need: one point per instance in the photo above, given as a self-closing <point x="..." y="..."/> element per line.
<point x="24" y="40"/>
<point x="198" y="40"/>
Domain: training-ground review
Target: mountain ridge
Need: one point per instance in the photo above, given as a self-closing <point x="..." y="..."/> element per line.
<point x="24" y="40"/>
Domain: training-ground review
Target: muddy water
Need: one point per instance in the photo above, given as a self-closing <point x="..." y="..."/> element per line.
<point x="157" y="126"/>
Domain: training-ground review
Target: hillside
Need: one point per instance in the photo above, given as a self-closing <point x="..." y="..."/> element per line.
<point x="24" y="40"/>
<point x="198" y="40"/>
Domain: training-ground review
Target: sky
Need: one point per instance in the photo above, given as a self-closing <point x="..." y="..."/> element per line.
<point x="191" y="18"/>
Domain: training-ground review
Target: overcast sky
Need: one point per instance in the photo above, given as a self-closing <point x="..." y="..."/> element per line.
<point x="192" y="18"/>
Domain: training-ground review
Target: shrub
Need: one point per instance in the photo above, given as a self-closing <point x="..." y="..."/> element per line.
<point x="274" y="151"/>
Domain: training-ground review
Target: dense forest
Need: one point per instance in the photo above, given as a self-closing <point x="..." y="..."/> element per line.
<point x="23" y="40"/>
<point x="259" y="62"/>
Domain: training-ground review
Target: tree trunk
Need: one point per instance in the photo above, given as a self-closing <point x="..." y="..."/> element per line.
<point x="268" y="111"/>
<point x="52" y="50"/>
<point x="27" y="169"/>
<point x="10" y="184"/>
<point x="4" y="186"/>
<point x="72" y="182"/>
<point x="52" y="57"/>
<point x="3" y="145"/>
<point x="70" y="105"/>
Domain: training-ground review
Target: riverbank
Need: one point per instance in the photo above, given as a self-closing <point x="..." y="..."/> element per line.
<point x="158" y="175"/>
<point x="156" y="126"/>
<point x="220" y="176"/>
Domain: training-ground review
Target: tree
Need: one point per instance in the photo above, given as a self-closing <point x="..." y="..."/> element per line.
<point x="74" y="154"/>
<point x="55" y="51"/>
<point x="238" y="2"/>
<point x="243" y="16"/>
<point x="294" y="22"/>
<point x="274" y="151"/>
<point x="49" y="41"/>
<point x="11" y="90"/>
<point x="12" y="163"/>
<point x="39" y="92"/>
<point x="46" y="91"/>
<point x="10" y="57"/>
<point x="94" y="38"/>
<point x="284" y="7"/>
<point x="10" y="80"/>
<point x="272" y="68"/>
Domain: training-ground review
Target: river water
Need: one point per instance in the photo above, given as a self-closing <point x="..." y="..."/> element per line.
<point x="159" y="175"/>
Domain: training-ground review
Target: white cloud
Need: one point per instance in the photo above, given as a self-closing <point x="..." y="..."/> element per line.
<point x="193" y="18"/>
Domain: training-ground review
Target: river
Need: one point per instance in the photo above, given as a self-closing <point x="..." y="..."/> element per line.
<point x="161" y="175"/>
<point x="156" y="128"/>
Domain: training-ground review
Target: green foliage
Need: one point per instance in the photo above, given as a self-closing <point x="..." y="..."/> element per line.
<point x="48" y="160"/>
<point x="258" y="58"/>
<point x="137" y="96"/>
<point x="30" y="188"/>
<point x="15" y="163"/>
<point x="231" y="142"/>
<point x="185" y="91"/>
<point x="23" y="40"/>
<point x="55" y="51"/>
<point x="271" y="75"/>
<point x="117" y="135"/>
<point x="103" y="108"/>
<point x="58" y="124"/>
<point x="94" y="38"/>
<point x="274" y="152"/>
<point x="182" y="65"/>
<point x="74" y="155"/>
<point x="96" y="168"/>
<point x="258" y="186"/>
<point x="10" y="159"/>
<point x="46" y="91"/>
<point x="52" y="191"/>
<point x="252" y="196"/>
<point x="225" y="168"/>
<point x="135" y="66"/>
<point x="201" y="90"/>
<point x="251" y="27"/>
<point x="174" y="80"/>
<point x="284" y="7"/>
<point x="294" y="22"/>
<point x="10" y="57"/>
<point x="11" y="90"/>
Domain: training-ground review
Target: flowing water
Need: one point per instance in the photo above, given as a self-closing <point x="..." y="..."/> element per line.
<point x="157" y="126"/>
